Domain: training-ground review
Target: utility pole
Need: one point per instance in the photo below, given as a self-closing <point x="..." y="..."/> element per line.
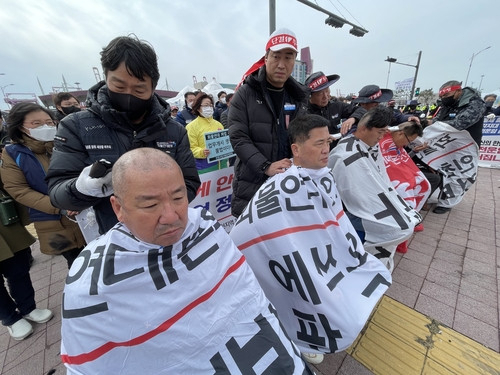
<point x="395" y="61"/>
<point x="272" y="16"/>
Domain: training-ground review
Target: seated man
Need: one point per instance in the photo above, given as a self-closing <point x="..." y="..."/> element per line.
<point x="408" y="180"/>
<point x="166" y="291"/>
<point x="376" y="209"/>
<point x="305" y="252"/>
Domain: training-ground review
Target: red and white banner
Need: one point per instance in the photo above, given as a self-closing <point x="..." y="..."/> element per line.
<point x="309" y="259"/>
<point x="130" y="307"/>
<point x="455" y="155"/>
<point x="489" y="152"/>
<point x="406" y="178"/>
<point x="367" y="193"/>
<point x="214" y="195"/>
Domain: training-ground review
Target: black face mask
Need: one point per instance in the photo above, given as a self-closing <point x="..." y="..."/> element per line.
<point x="489" y="105"/>
<point x="133" y="106"/>
<point x="70" y="109"/>
<point x="448" y="102"/>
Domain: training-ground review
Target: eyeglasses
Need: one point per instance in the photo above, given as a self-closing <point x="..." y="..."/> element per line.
<point x="408" y="139"/>
<point x="38" y="123"/>
<point x="206" y="105"/>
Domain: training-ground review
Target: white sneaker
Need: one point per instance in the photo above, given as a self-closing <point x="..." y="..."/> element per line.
<point x="20" y="329"/>
<point x="39" y="315"/>
<point x="313" y="358"/>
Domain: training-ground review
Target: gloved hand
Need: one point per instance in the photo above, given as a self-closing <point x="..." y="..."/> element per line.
<point x="95" y="187"/>
<point x="491" y="116"/>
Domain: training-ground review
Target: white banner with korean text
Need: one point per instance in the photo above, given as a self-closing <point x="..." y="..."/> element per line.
<point x="309" y="259"/>
<point x="214" y="195"/>
<point x="194" y="307"/>
<point x="489" y="152"/>
<point x="367" y="193"/>
<point x="455" y="155"/>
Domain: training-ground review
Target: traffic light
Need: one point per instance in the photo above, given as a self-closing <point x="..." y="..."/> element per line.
<point x="417" y="91"/>
<point x="334" y="21"/>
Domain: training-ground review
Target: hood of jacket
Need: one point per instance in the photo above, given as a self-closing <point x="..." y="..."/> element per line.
<point x="297" y="91"/>
<point x="98" y="102"/>
<point x="467" y="95"/>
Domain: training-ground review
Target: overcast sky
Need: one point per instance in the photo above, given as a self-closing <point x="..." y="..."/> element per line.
<point x="221" y="39"/>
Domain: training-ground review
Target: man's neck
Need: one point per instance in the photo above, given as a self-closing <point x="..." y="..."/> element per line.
<point x="272" y="87"/>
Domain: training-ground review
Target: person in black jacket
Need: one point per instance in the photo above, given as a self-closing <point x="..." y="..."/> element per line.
<point x="261" y="110"/>
<point x="123" y="113"/>
<point x="187" y="115"/>
<point x="334" y="111"/>
<point x="65" y="104"/>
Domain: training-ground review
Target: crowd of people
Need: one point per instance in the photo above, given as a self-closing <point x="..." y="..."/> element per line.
<point x="358" y="173"/>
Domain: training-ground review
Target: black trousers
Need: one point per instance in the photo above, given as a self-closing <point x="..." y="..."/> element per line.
<point x="21" y="301"/>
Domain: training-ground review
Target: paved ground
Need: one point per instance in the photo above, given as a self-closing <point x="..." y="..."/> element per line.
<point x="450" y="274"/>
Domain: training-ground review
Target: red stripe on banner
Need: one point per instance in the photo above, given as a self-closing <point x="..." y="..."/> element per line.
<point x="103" y="349"/>
<point x="451" y="152"/>
<point x="284" y="232"/>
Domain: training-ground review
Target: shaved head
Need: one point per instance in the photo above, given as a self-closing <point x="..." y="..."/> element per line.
<point x="150" y="196"/>
<point x="141" y="159"/>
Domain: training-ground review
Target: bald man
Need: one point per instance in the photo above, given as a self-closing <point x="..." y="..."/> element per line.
<point x="166" y="291"/>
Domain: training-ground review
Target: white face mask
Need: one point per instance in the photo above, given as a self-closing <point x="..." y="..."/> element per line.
<point x="207" y="112"/>
<point x="223" y="100"/>
<point x="43" y="133"/>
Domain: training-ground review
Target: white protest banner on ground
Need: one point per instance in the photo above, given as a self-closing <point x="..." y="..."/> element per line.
<point x="406" y="178"/>
<point x="489" y="152"/>
<point x="455" y="155"/>
<point x="219" y="145"/>
<point x="367" y="193"/>
<point x="214" y="195"/>
<point x="309" y="259"/>
<point x="195" y="307"/>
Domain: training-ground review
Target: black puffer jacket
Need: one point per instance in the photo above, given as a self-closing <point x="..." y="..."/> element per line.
<point x="253" y="130"/>
<point x="102" y="132"/>
<point x="336" y="111"/>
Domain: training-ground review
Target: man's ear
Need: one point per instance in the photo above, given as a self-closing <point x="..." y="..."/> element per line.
<point x="117" y="207"/>
<point x="295" y="149"/>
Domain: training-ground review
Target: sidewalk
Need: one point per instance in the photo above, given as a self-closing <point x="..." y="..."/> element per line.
<point x="450" y="276"/>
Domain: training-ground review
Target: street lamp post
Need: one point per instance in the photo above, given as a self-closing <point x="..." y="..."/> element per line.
<point x="3" y="87"/>
<point x="395" y="61"/>
<point x="471" y="60"/>
<point x="389" y="60"/>
<point x="480" y="83"/>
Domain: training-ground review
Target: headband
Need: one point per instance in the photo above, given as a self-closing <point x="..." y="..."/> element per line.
<point x="282" y="39"/>
<point x="449" y="89"/>
<point x="318" y="82"/>
<point x="378" y="94"/>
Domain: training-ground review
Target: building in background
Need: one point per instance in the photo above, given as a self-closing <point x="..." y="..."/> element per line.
<point x="303" y="66"/>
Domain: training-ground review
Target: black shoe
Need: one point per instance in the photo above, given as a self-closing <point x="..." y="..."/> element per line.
<point x="441" y="210"/>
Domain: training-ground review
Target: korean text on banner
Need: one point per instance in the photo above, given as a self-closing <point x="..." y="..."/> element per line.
<point x="309" y="259"/>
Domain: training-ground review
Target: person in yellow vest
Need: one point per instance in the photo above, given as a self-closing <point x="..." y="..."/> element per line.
<point x="196" y="129"/>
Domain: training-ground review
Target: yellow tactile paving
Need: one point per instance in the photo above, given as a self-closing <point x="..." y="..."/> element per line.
<point x="398" y="340"/>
